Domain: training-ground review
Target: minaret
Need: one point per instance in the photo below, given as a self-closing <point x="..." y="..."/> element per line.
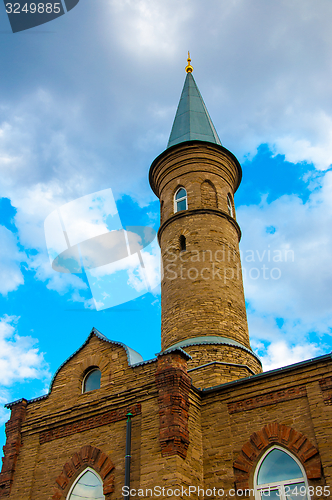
<point x="203" y="306"/>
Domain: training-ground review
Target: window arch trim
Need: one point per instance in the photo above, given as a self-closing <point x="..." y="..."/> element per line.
<point x="264" y="486"/>
<point x="87" y="456"/>
<point x="78" y="478"/>
<point x="273" y="434"/>
<point x="180" y="200"/>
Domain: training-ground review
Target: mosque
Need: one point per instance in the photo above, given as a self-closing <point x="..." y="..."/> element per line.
<point x="202" y="419"/>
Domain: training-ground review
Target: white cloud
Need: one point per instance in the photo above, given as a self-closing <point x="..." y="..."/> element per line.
<point x="10" y="260"/>
<point x="20" y="359"/>
<point x="279" y="354"/>
<point x="288" y="272"/>
<point x="4" y="413"/>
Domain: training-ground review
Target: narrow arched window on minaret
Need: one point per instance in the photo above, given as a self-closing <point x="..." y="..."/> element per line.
<point x="230" y="205"/>
<point x="183" y="243"/>
<point x="180" y="200"/>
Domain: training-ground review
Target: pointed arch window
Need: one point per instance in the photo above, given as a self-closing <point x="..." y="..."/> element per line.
<point x="180" y="200"/>
<point x="91" y="380"/>
<point x="88" y="485"/>
<point x="282" y="475"/>
<point x="230" y="205"/>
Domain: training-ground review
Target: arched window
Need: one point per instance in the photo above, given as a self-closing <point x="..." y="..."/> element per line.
<point x="88" y="485"/>
<point x="91" y="380"/>
<point x="180" y="200"/>
<point x="183" y="244"/>
<point x="282" y="475"/>
<point x="230" y="205"/>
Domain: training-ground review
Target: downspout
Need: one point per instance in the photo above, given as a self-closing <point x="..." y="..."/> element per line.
<point x="128" y="456"/>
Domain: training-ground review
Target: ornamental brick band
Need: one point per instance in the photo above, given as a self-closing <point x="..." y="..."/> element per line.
<point x="173" y="384"/>
<point x="274" y="433"/>
<point x="267" y="399"/>
<point x="12" y="447"/>
<point x="88" y="456"/>
<point x="88" y="423"/>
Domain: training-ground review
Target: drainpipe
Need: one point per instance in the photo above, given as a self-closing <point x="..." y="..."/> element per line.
<point x="128" y="455"/>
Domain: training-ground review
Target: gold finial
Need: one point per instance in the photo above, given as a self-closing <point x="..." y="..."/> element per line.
<point x="189" y="68"/>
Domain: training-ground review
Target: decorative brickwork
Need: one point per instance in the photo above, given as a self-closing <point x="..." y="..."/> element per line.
<point x="275" y="433"/>
<point x="12" y="447"/>
<point x="326" y="388"/>
<point x="269" y="398"/>
<point x="209" y="195"/>
<point x="88" y="456"/>
<point x="173" y="384"/>
<point x="88" y="423"/>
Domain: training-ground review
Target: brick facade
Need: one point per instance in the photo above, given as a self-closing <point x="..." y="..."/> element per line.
<point x="181" y="435"/>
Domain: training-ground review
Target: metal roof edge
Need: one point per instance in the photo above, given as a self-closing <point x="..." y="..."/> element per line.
<point x="175" y="349"/>
<point x="219" y="340"/>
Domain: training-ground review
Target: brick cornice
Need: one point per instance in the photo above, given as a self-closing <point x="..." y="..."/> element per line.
<point x="199" y="211"/>
<point x="274" y="433"/>
<point x="88" y="456"/>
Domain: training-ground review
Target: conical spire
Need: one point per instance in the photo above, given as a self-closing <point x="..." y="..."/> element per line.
<point x="192" y="121"/>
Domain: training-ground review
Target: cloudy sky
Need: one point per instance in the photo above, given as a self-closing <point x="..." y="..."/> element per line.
<point x="87" y="102"/>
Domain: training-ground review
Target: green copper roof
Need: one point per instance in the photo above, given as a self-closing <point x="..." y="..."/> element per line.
<point x="192" y="121"/>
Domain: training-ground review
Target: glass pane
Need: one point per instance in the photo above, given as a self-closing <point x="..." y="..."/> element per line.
<point x="229" y="205"/>
<point x="92" y="381"/>
<point x="181" y="194"/>
<point x="88" y="487"/>
<point x="278" y="466"/>
<point x="296" y="491"/>
<point x="270" y="494"/>
<point x="181" y="205"/>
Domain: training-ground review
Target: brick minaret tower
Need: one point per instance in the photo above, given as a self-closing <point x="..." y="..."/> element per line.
<point x="203" y="306"/>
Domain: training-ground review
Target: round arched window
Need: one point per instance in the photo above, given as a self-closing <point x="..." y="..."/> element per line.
<point x="91" y="380"/>
<point x="87" y="486"/>
<point x="281" y="477"/>
<point x="180" y="200"/>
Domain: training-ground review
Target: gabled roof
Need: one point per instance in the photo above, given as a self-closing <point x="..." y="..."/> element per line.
<point x="192" y="121"/>
<point x="134" y="358"/>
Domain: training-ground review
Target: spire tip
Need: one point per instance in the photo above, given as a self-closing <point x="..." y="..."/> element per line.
<point x="189" y="68"/>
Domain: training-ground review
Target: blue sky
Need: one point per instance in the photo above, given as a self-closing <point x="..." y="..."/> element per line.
<point x="87" y="102"/>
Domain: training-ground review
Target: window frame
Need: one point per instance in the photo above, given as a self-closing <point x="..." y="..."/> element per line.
<point x="90" y="370"/>
<point x="180" y="199"/>
<point x="78" y="478"/>
<point x="230" y="205"/>
<point x="279" y="484"/>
